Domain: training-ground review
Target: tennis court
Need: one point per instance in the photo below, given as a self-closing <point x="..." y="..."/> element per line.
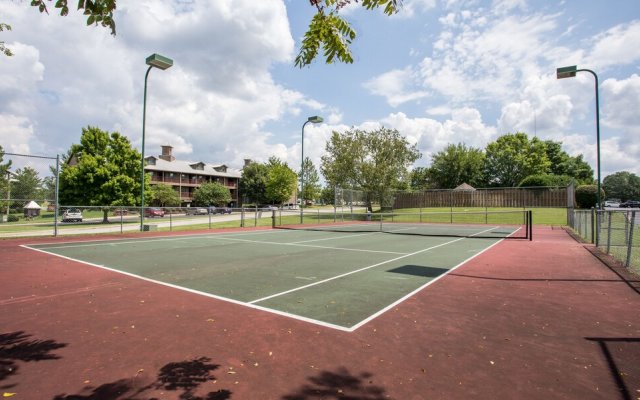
<point x="339" y="275"/>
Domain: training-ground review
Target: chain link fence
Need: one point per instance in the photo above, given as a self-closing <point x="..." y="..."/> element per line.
<point x="615" y="232"/>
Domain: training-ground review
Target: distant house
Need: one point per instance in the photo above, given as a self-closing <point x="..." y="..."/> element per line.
<point x="186" y="176"/>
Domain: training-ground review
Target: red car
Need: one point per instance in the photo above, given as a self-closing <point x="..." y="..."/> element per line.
<point x="153" y="212"/>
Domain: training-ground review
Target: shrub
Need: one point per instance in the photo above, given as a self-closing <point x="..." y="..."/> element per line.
<point x="13" y="218"/>
<point x="546" y="180"/>
<point x="586" y="196"/>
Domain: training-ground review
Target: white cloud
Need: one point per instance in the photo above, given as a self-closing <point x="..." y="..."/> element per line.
<point x="392" y="85"/>
<point x="616" y="46"/>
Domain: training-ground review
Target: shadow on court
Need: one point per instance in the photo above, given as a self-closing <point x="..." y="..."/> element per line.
<point x="17" y="347"/>
<point x="419" y="270"/>
<point x="183" y="378"/>
<point x="341" y="384"/>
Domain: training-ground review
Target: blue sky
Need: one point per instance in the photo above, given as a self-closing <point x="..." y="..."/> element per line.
<point x="440" y="71"/>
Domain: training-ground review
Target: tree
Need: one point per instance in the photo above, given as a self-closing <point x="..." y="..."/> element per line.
<point x="281" y="181"/>
<point x="455" y="165"/>
<point x="622" y="185"/>
<point x="374" y="161"/>
<point x="103" y="170"/>
<point x="311" y="180"/>
<point x="27" y="185"/>
<point x="327" y="29"/>
<point x="513" y="157"/>
<point x="164" y="195"/>
<point x="212" y="193"/>
<point x="419" y="179"/>
<point x="3" y="49"/>
<point x="562" y="163"/>
<point x="254" y="183"/>
<point x="97" y="11"/>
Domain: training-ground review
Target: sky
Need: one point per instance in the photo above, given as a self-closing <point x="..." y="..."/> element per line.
<point x="439" y="71"/>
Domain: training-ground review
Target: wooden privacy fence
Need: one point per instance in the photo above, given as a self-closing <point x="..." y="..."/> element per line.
<point x="492" y="197"/>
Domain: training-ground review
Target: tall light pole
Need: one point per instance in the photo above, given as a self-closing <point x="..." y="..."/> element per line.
<point x="314" y="120"/>
<point x="160" y="62"/>
<point x="570" y="72"/>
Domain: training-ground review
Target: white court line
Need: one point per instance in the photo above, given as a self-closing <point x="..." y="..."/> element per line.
<point x="297" y="244"/>
<point x="269" y="310"/>
<point x="359" y="270"/>
<point x="205" y="294"/>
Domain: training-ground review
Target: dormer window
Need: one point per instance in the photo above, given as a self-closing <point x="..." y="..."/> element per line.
<point x="198" y="166"/>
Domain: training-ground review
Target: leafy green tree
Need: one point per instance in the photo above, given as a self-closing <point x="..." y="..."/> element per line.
<point x="622" y="185"/>
<point x="311" y="180"/>
<point x="282" y="182"/>
<point x="562" y="163"/>
<point x="212" y="194"/>
<point x="513" y="157"/>
<point x="164" y="195"/>
<point x="27" y="185"/>
<point x="419" y="179"/>
<point x="97" y="11"/>
<point x="329" y="31"/>
<point x="375" y="161"/>
<point x="3" y="48"/>
<point x="253" y="183"/>
<point x="455" y="165"/>
<point x="103" y="170"/>
<point x="328" y="194"/>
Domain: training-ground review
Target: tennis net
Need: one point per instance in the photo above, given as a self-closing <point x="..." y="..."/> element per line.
<point x="511" y="224"/>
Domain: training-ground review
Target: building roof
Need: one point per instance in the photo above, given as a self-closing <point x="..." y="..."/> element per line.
<point x="32" y="205"/>
<point x="190" y="167"/>
<point x="465" y="186"/>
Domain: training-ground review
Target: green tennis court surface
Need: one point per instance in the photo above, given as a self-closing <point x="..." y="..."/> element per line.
<point x="336" y="279"/>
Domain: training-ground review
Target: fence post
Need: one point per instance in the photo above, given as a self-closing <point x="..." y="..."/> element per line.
<point x="609" y="215"/>
<point x="630" y="242"/>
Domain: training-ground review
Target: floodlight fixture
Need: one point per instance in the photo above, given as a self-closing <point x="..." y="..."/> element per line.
<point x="158" y="61"/>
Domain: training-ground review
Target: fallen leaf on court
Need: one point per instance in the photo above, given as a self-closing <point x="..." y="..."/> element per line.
<point x="231" y="372"/>
<point x="491" y="362"/>
<point x="211" y="320"/>
<point x="6" y="394"/>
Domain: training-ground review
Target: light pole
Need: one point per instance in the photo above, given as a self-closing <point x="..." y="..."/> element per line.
<point x="160" y="62"/>
<point x="570" y="72"/>
<point x="314" y="120"/>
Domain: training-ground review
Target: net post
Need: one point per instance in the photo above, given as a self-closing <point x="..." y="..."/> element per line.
<point x="530" y="217"/>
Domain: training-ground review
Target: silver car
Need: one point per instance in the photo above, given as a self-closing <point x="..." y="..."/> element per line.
<point x="72" y="215"/>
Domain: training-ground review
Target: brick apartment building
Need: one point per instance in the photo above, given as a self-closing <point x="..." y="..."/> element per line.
<point x="186" y="176"/>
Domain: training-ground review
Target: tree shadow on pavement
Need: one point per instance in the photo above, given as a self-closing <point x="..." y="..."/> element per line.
<point x="623" y="359"/>
<point x="19" y="347"/>
<point x="182" y="376"/>
<point x="341" y="385"/>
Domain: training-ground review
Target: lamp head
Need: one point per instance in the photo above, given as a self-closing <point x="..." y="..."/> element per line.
<point x="315" y="119"/>
<point x="158" y="61"/>
<point x="566" y="72"/>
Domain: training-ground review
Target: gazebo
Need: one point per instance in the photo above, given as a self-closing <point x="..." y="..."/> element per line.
<point x="32" y="209"/>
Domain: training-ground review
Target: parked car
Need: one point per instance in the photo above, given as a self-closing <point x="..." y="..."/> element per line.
<point x="220" y="210"/>
<point x="153" y="212"/>
<point x="120" y="212"/>
<point x="630" y="204"/>
<point x="196" y="211"/>
<point x="72" y="215"/>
